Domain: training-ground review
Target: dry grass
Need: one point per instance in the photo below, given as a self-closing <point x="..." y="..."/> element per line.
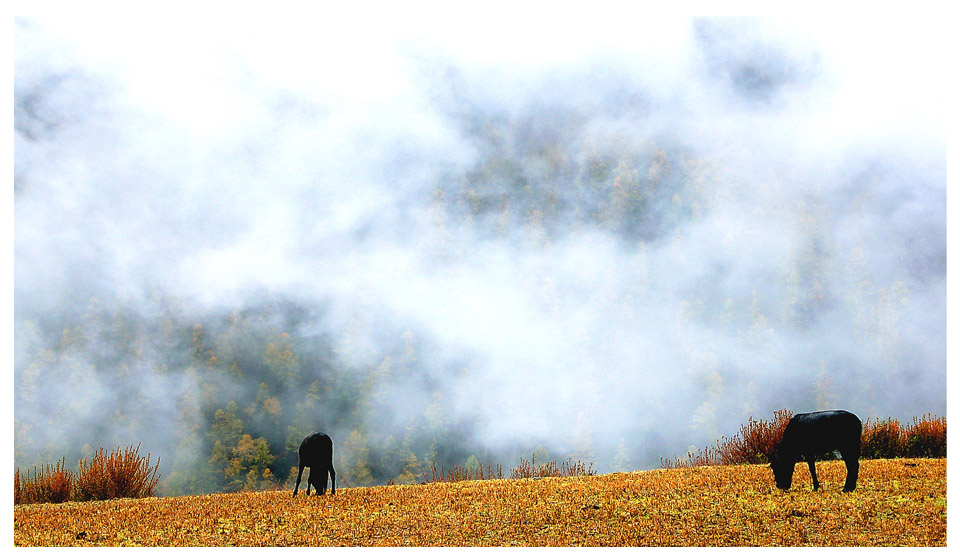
<point x="525" y="469"/>
<point x="121" y="474"/>
<point x="924" y="437"/>
<point x="458" y="474"/>
<point x="897" y="502"/>
<point x="52" y="483"/>
<point x="881" y="439"/>
<point x="530" y="469"/>
<point x="753" y="445"/>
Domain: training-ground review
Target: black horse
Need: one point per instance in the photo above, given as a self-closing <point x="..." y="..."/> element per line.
<point x="316" y="452"/>
<point x="815" y="433"/>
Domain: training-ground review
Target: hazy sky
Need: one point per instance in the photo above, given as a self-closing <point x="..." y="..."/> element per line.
<point x="212" y="157"/>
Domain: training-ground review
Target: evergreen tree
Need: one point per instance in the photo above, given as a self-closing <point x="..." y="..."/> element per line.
<point x="621" y="459"/>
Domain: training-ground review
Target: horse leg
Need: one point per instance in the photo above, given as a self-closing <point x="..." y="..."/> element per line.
<point x="333" y="480"/>
<point x="297" y="487"/>
<point x="813" y="474"/>
<point x="322" y="489"/>
<point x="853" y="469"/>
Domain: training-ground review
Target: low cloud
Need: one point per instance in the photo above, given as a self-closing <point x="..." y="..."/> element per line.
<point x="790" y="253"/>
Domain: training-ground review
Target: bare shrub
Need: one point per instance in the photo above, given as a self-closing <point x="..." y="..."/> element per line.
<point x="530" y="469"/>
<point x="440" y="474"/>
<point x="122" y="474"/>
<point x="754" y="444"/>
<point x="882" y="439"/>
<point x="927" y="437"/>
<point x="49" y="484"/>
<point x="525" y="469"/>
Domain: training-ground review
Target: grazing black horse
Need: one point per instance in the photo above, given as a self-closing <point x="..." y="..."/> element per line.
<point x="815" y="433"/>
<point x="316" y="452"/>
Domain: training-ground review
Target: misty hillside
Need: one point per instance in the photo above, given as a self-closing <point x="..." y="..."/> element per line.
<point x="610" y="251"/>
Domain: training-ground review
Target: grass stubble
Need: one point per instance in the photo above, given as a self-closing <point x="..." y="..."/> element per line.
<point x="898" y="502"/>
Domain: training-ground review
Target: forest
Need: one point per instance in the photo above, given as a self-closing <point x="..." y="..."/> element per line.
<point x="583" y="268"/>
<point x="251" y="383"/>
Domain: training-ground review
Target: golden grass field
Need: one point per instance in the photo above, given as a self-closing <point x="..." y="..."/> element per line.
<point x="897" y="502"/>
